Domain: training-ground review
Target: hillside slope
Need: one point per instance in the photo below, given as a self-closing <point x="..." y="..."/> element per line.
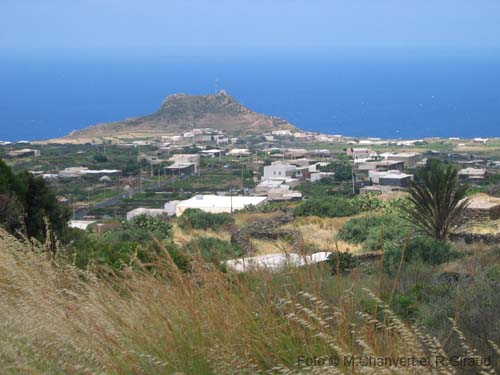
<point x="180" y="113"/>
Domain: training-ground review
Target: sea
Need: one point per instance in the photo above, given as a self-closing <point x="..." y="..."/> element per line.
<point x="43" y="98"/>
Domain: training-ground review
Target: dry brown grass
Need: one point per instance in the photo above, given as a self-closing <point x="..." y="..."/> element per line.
<point x="263" y="247"/>
<point x="245" y="218"/>
<point x="182" y="237"/>
<point x="320" y="232"/>
<point x="58" y="320"/>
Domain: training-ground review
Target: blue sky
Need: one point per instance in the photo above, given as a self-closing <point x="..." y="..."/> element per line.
<point x="233" y="27"/>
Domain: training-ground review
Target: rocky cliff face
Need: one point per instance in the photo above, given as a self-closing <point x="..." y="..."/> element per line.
<point x="182" y="112"/>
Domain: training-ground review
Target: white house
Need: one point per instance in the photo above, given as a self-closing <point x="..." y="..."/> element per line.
<point x="279" y="171"/>
<point x="218" y="204"/>
<point x="239" y="152"/>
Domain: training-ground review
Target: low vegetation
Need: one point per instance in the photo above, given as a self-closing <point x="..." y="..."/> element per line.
<point x="374" y="232"/>
<point x="27" y="205"/>
<point x="331" y="206"/>
<point x="198" y="219"/>
<point x="208" y="322"/>
<point x="439" y="201"/>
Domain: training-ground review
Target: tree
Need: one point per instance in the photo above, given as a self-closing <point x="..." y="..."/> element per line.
<point x="11" y="213"/>
<point x="438" y="201"/>
<point x="41" y="203"/>
<point x="343" y="171"/>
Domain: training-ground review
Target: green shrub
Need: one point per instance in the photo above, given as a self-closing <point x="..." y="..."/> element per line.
<point x="374" y="232"/>
<point x="327" y="207"/>
<point x="100" y="158"/>
<point x="179" y="256"/>
<point x="341" y="261"/>
<point x="140" y="229"/>
<point x="157" y="226"/>
<point x="405" y="306"/>
<point x="343" y="171"/>
<point x="213" y="250"/>
<point x="419" y="249"/>
<point x="198" y="219"/>
<point x="367" y="202"/>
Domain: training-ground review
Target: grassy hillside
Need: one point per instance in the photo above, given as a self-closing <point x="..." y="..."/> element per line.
<point x="61" y="320"/>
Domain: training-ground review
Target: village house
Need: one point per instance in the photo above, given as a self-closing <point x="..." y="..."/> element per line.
<point x="73" y="172"/>
<point x="380" y="165"/>
<point x="279" y="171"/>
<point x="295" y="153"/>
<point x="239" y="152"/>
<point x="390" y="178"/>
<point x="359" y="153"/>
<point x="480" y="140"/>
<point x="410" y="159"/>
<point x="183" y="165"/>
<point x="26" y="152"/>
<point x="282" y="133"/>
<point x="472" y="174"/>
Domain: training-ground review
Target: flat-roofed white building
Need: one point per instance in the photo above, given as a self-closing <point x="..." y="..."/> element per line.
<point x="239" y="152"/>
<point x="279" y="171"/>
<point x="184" y="163"/>
<point x="218" y="204"/>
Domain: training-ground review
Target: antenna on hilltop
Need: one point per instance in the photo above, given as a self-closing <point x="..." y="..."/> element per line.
<point x="216" y="85"/>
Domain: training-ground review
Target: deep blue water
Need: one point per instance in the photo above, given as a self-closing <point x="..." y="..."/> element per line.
<point x="407" y="98"/>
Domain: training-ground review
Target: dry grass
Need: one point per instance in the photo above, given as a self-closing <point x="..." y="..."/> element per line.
<point x="263" y="247"/>
<point x="182" y="237"/>
<point x="486" y="227"/>
<point x="245" y="218"/>
<point x="320" y="232"/>
<point x="58" y="320"/>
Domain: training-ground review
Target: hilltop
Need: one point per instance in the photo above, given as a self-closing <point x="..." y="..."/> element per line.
<point x="180" y="113"/>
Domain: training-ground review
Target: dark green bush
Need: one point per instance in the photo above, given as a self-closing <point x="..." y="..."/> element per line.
<point x="212" y="250"/>
<point x="374" y="231"/>
<point x="419" y="249"/>
<point x="198" y="219"/>
<point x="343" y="171"/>
<point x="140" y="229"/>
<point x="100" y="158"/>
<point x="341" y="261"/>
<point x="405" y="306"/>
<point x="157" y="226"/>
<point x="329" y="206"/>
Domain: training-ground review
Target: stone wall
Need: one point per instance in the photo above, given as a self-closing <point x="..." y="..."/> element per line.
<point x="266" y="229"/>
<point x="469" y="238"/>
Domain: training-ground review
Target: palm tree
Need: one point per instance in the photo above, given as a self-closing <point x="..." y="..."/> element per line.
<point x="439" y="202"/>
